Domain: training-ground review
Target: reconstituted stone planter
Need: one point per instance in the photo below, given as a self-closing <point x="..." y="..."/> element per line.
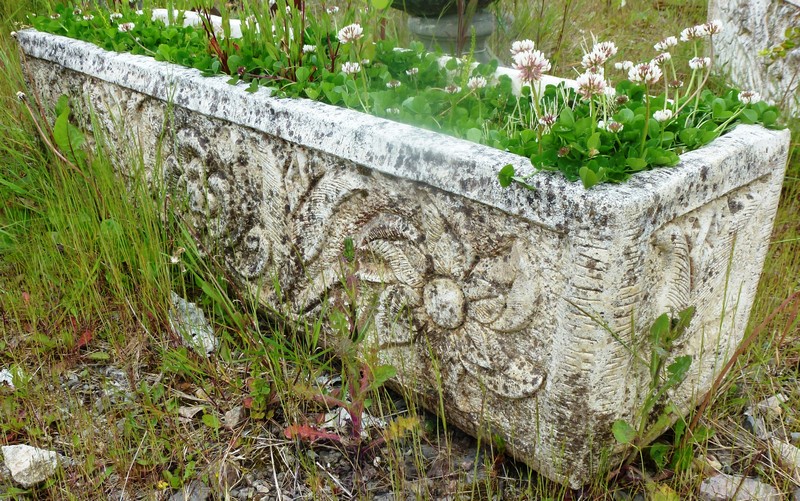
<point x="478" y="290"/>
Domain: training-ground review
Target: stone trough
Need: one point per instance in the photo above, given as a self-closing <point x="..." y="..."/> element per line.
<point x="482" y="297"/>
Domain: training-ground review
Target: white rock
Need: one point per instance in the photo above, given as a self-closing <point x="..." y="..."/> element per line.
<point x="733" y="487"/>
<point x="233" y="417"/>
<point x="29" y="465"/>
<point x="770" y="407"/>
<point x="787" y="455"/>
<point x="189" y="321"/>
<point x="6" y="378"/>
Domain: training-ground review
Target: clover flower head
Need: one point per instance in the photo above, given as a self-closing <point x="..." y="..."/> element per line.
<point x="126" y="27"/>
<point x="77" y="12"/>
<point x="666" y="44"/>
<point x="659" y="59"/>
<point x="590" y="84"/>
<point x="610" y="91"/>
<point x="646" y="73"/>
<point x="662" y="115"/>
<point x="332" y="10"/>
<point x="452" y="89"/>
<point x="115" y="15"/>
<point x="522" y="46"/>
<point x="694" y="33"/>
<point x="613" y="127"/>
<point x="288" y="9"/>
<point x="594" y="59"/>
<point x="350" y="67"/>
<point x="622" y="99"/>
<point x="548" y="120"/>
<point x="676" y="84"/>
<point x="350" y="33"/>
<point x="392" y="111"/>
<point x="608" y="48"/>
<point x="713" y="27"/>
<point x="13" y="34"/>
<point x="393" y="84"/>
<point x="412" y="71"/>
<point x="139" y="12"/>
<point x="56" y="15"/>
<point x="308" y="48"/>
<point x="88" y="17"/>
<point x="475" y="83"/>
<point x="21" y="96"/>
<point x="531" y="65"/>
<point x="697" y="63"/>
<point x="563" y="151"/>
<point x="749" y="96"/>
<point x="624" y="65"/>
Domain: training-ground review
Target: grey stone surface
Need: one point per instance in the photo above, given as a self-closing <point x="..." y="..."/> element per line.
<point x="482" y="290"/>
<point x="190" y="322"/>
<point x="734" y="487"/>
<point x="751" y="26"/>
<point x="29" y="465"/>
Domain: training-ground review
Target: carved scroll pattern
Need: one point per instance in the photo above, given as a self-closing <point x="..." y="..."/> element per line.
<point x="446" y="273"/>
<point x="693" y="253"/>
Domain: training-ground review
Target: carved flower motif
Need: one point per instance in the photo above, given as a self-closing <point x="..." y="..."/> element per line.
<point x="473" y="298"/>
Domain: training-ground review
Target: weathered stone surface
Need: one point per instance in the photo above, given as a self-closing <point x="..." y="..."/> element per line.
<point x="751" y="26"/>
<point x="724" y="487"/>
<point x="479" y="295"/>
<point x="29" y="465"/>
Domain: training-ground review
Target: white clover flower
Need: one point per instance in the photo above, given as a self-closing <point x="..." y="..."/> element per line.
<point x="749" y="96"/>
<point x="694" y="33"/>
<point x="659" y="59"/>
<point x="115" y="15"/>
<point x="645" y="73"/>
<point x="666" y="44"/>
<point x="13" y="34"/>
<point x="350" y="33"/>
<point x="713" y="27"/>
<point x="531" y="65"/>
<point x="55" y="15"/>
<point x="88" y="17"/>
<point x="590" y="84"/>
<point x="332" y="10"/>
<point x="412" y="71"/>
<point x="624" y="65"/>
<point x="610" y="91"/>
<point x="393" y="84"/>
<point x="522" y="46"/>
<point x="662" y="115"/>
<point x="139" y="12"/>
<point x="452" y="89"/>
<point x="548" y="120"/>
<point x="614" y="127"/>
<point x="351" y="68"/>
<point x="126" y="27"/>
<point x="21" y="96"/>
<point x="594" y="59"/>
<point x="676" y="84"/>
<point x="609" y="49"/>
<point x="273" y="3"/>
<point x="77" y="12"/>
<point x="392" y="111"/>
<point x="476" y="83"/>
<point x="307" y="48"/>
<point x="697" y="63"/>
<point x="288" y="9"/>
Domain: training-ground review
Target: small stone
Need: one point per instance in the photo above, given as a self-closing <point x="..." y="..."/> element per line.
<point x="770" y="407"/>
<point x="29" y="465"/>
<point x="796" y="494"/>
<point x="755" y="425"/>
<point x="193" y="491"/>
<point x="190" y="322"/>
<point x="787" y="455"/>
<point x="6" y="378"/>
<point x="233" y="417"/>
<point x="734" y="487"/>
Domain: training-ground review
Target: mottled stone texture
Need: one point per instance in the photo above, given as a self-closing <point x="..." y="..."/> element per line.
<point x="751" y="26"/>
<point x="478" y="295"/>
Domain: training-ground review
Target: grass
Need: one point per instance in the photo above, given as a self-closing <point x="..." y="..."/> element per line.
<point x="86" y="273"/>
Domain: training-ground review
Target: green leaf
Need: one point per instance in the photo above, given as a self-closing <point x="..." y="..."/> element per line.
<point x="749" y="116"/>
<point x="302" y="74"/>
<point x="474" y="135"/>
<point x="688" y="136"/>
<point x="659" y="453"/>
<point x="566" y="117"/>
<point x="594" y="141"/>
<point x="506" y="176"/>
<point x="623" y="432"/>
<point x="381" y="374"/>
<point x="624" y="116"/>
<point x="380" y="4"/>
<point x="678" y="369"/>
<point x="211" y="421"/>
<point x="635" y="163"/>
<point x="588" y="176"/>
<point x="99" y="355"/>
<point x="769" y="117"/>
<point x="660" y="329"/>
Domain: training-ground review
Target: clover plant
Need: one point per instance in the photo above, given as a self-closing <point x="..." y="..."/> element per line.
<point x="614" y="120"/>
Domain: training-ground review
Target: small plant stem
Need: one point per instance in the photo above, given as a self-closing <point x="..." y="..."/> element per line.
<point x="646" y="118"/>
